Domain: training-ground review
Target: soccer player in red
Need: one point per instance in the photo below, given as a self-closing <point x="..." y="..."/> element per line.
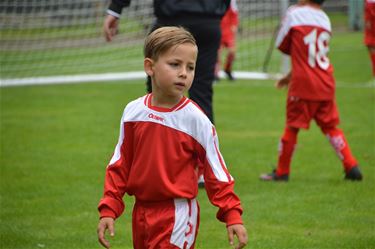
<point x="369" y="39"/>
<point x="304" y="35"/>
<point x="164" y="136"/>
<point x="229" y="28"/>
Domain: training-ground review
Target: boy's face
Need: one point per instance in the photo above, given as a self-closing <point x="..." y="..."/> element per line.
<point x="173" y="72"/>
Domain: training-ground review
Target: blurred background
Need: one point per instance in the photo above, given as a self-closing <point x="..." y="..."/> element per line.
<point x="57" y="38"/>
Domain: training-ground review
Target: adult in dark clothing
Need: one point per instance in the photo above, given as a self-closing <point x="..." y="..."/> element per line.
<point x="202" y="18"/>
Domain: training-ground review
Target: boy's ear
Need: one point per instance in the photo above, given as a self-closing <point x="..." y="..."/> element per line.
<point x="148" y="66"/>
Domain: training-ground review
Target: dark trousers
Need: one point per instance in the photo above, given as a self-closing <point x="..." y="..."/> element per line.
<point x="207" y="36"/>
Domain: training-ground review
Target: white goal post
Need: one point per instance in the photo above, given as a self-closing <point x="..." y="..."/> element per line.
<point x="57" y="41"/>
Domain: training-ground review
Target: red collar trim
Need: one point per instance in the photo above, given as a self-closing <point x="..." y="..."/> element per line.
<point x="181" y="104"/>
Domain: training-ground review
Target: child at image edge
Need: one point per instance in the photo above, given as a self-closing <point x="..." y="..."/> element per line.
<point x="304" y="35"/>
<point x="369" y="39"/>
<point x="164" y="136"/>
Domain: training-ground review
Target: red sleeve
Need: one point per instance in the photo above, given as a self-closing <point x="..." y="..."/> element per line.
<point x="283" y="39"/>
<point x="221" y="194"/>
<point x="112" y="205"/>
<point x="220" y="184"/>
<point x="285" y="44"/>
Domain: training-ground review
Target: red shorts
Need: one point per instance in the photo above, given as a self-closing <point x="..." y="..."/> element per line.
<point x="300" y="112"/>
<point x="166" y="224"/>
<point x="228" y="40"/>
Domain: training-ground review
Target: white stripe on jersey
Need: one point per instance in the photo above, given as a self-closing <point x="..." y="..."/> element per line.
<point x="186" y="221"/>
<point x="302" y="16"/>
<point x="117" y="154"/>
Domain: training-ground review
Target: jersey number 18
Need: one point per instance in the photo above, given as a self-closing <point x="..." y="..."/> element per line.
<point x="318" y="48"/>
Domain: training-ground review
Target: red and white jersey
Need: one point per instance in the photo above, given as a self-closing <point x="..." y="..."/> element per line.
<point x="304" y="35"/>
<point x="369" y="18"/>
<point x="157" y="157"/>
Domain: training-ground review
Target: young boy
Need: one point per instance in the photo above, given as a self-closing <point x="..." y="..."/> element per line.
<point x="164" y="136"/>
<point x="369" y="38"/>
<point x="305" y="35"/>
<point x="229" y="28"/>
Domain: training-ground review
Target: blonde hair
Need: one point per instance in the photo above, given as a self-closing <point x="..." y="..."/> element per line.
<point x="162" y="39"/>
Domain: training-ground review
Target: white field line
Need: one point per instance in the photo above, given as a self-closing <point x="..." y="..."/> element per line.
<point x="73" y="79"/>
<point x="88" y="78"/>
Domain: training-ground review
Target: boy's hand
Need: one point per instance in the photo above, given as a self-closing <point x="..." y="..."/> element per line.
<point x="283" y="82"/>
<point x="104" y="224"/>
<point x="240" y="231"/>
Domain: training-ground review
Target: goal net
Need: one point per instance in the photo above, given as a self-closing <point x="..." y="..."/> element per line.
<point x="48" y="40"/>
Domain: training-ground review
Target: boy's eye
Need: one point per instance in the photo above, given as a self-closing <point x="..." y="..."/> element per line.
<point x="173" y="64"/>
<point x="191" y="68"/>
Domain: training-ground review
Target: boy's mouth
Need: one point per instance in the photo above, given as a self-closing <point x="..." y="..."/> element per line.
<point x="180" y="84"/>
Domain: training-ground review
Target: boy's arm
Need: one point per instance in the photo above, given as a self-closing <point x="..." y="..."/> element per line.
<point x="218" y="181"/>
<point x="219" y="185"/>
<point x="283" y="39"/>
<point x="112" y="204"/>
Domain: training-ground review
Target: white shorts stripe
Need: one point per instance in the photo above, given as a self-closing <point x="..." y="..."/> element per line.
<point x="186" y="221"/>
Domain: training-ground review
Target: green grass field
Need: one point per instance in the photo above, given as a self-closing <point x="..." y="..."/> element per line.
<point x="56" y="141"/>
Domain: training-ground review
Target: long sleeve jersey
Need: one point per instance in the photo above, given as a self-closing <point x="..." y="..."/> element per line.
<point x="157" y="156"/>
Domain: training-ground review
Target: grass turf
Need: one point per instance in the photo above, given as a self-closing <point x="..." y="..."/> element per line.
<point x="57" y="140"/>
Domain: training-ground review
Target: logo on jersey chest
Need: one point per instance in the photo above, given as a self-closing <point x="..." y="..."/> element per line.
<point x="155" y="117"/>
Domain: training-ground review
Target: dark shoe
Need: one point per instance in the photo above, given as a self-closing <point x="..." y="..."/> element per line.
<point x="273" y="177"/>
<point x="201" y="182"/>
<point x="354" y="174"/>
<point x="229" y="75"/>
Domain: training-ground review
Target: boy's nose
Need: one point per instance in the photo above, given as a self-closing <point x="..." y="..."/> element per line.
<point x="183" y="72"/>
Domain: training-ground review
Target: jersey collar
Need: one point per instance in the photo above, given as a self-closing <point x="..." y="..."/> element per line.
<point x="181" y="104"/>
